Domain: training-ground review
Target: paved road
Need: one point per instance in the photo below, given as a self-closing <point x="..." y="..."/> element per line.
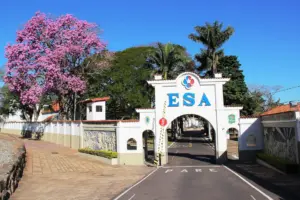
<point x="192" y="149"/>
<point x="191" y="175"/>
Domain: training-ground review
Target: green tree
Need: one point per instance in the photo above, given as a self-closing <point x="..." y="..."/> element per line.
<point x="212" y="36"/>
<point x="11" y="104"/>
<point x="236" y="91"/>
<point x="255" y="102"/>
<point x="170" y="60"/>
<point x="236" y="88"/>
<point x="267" y="93"/>
<point x="125" y="82"/>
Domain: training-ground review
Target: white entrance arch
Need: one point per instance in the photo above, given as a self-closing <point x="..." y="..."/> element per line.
<point x="190" y="94"/>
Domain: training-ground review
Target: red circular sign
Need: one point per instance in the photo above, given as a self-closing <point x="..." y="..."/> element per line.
<point x="163" y="121"/>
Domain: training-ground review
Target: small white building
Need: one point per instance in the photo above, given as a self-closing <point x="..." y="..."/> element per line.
<point x="96" y="108"/>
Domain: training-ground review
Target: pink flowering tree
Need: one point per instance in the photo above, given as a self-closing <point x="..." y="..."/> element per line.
<point x="46" y="56"/>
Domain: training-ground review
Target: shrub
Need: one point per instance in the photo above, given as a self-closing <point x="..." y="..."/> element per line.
<point x="279" y="163"/>
<point x="102" y="153"/>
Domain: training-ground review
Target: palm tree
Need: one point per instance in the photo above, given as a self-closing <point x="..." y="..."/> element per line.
<point x="212" y="37"/>
<point x="170" y="60"/>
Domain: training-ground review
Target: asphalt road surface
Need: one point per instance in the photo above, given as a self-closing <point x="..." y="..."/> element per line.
<point x="192" y="175"/>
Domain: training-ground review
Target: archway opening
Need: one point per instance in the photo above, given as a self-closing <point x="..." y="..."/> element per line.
<point x="194" y="141"/>
<point x="232" y="144"/>
<point x="131" y="144"/>
<point x="148" y="145"/>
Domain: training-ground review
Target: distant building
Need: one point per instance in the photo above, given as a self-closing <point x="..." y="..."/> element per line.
<point x="281" y="131"/>
<point x="96" y="108"/>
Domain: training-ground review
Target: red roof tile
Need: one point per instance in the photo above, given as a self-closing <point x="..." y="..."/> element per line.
<point x="95" y="100"/>
<point x="281" y="109"/>
<point x="54" y="106"/>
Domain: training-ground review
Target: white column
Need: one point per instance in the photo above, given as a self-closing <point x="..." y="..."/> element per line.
<point x="81" y="135"/>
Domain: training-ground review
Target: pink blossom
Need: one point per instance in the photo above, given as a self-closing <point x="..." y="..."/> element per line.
<point x="45" y="52"/>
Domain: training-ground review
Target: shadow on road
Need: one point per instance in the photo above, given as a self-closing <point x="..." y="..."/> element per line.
<point x="186" y="140"/>
<point x="285" y="186"/>
<point x="203" y="158"/>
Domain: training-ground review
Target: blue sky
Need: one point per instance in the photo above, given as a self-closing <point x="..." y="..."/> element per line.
<point x="266" y="39"/>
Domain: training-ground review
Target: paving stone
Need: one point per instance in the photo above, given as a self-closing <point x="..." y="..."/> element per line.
<point x="69" y="176"/>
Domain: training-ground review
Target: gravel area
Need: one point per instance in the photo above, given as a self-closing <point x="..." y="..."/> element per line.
<point x="7" y="153"/>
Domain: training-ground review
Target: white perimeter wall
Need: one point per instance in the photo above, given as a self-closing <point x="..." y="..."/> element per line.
<point x="250" y="126"/>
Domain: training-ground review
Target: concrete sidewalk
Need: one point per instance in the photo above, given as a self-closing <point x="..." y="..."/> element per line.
<point x="56" y="172"/>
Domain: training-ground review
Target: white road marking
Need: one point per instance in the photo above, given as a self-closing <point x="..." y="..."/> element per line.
<point x="252" y="197"/>
<point x="171" y="144"/>
<point x="213" y="170"/>
<point x="118" y="197"/>
<point x="258" y="190"/>
<point x="131" y="197"/>
<point x="186" y="171"/>
<point x="196" y="166"/>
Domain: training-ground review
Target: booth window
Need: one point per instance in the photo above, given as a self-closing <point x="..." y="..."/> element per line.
<point x="90" y="109"/>
<point x="98" y="108"/>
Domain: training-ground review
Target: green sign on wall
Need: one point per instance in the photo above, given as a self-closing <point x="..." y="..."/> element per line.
<point x="147" y="120"/>
<point x="231" y="119"/>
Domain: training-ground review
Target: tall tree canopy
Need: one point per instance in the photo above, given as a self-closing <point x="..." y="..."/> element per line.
<point x="212" y="36"/>
<point x="236" y="91"/>
<point x="170" y="60"/>
<point x="45" y="53"/>
<point x="267" y="93"/>
<point x="125" y="82"/>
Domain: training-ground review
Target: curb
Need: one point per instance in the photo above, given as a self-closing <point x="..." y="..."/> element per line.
<point x="113" y="161"/>
<point x="263" y="163"/>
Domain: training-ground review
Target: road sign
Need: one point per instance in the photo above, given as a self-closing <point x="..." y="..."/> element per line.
<point x="163" y="122"/>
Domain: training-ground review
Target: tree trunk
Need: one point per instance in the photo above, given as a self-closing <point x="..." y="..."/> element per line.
<point x="214" y="63"/>
<point x="165" y="75"/>
<point x="74" y="111"/>
<point x="36" y="112"/>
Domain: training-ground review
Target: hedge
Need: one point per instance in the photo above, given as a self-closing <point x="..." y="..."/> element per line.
<point x="102" y="153"/>
<point x="279" y="163"/>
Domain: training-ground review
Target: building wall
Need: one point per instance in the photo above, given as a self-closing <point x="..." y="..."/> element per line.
<point x="128" y="156"/>
<point x="250" y="138"/>
<point x="100" y="136"/>
<point x="147" y="119"/>
<point x="281" y="137"/>
<point x="68" y="134"/>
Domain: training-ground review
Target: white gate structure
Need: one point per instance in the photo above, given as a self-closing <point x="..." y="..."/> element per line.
<point x="187" y="94"/>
